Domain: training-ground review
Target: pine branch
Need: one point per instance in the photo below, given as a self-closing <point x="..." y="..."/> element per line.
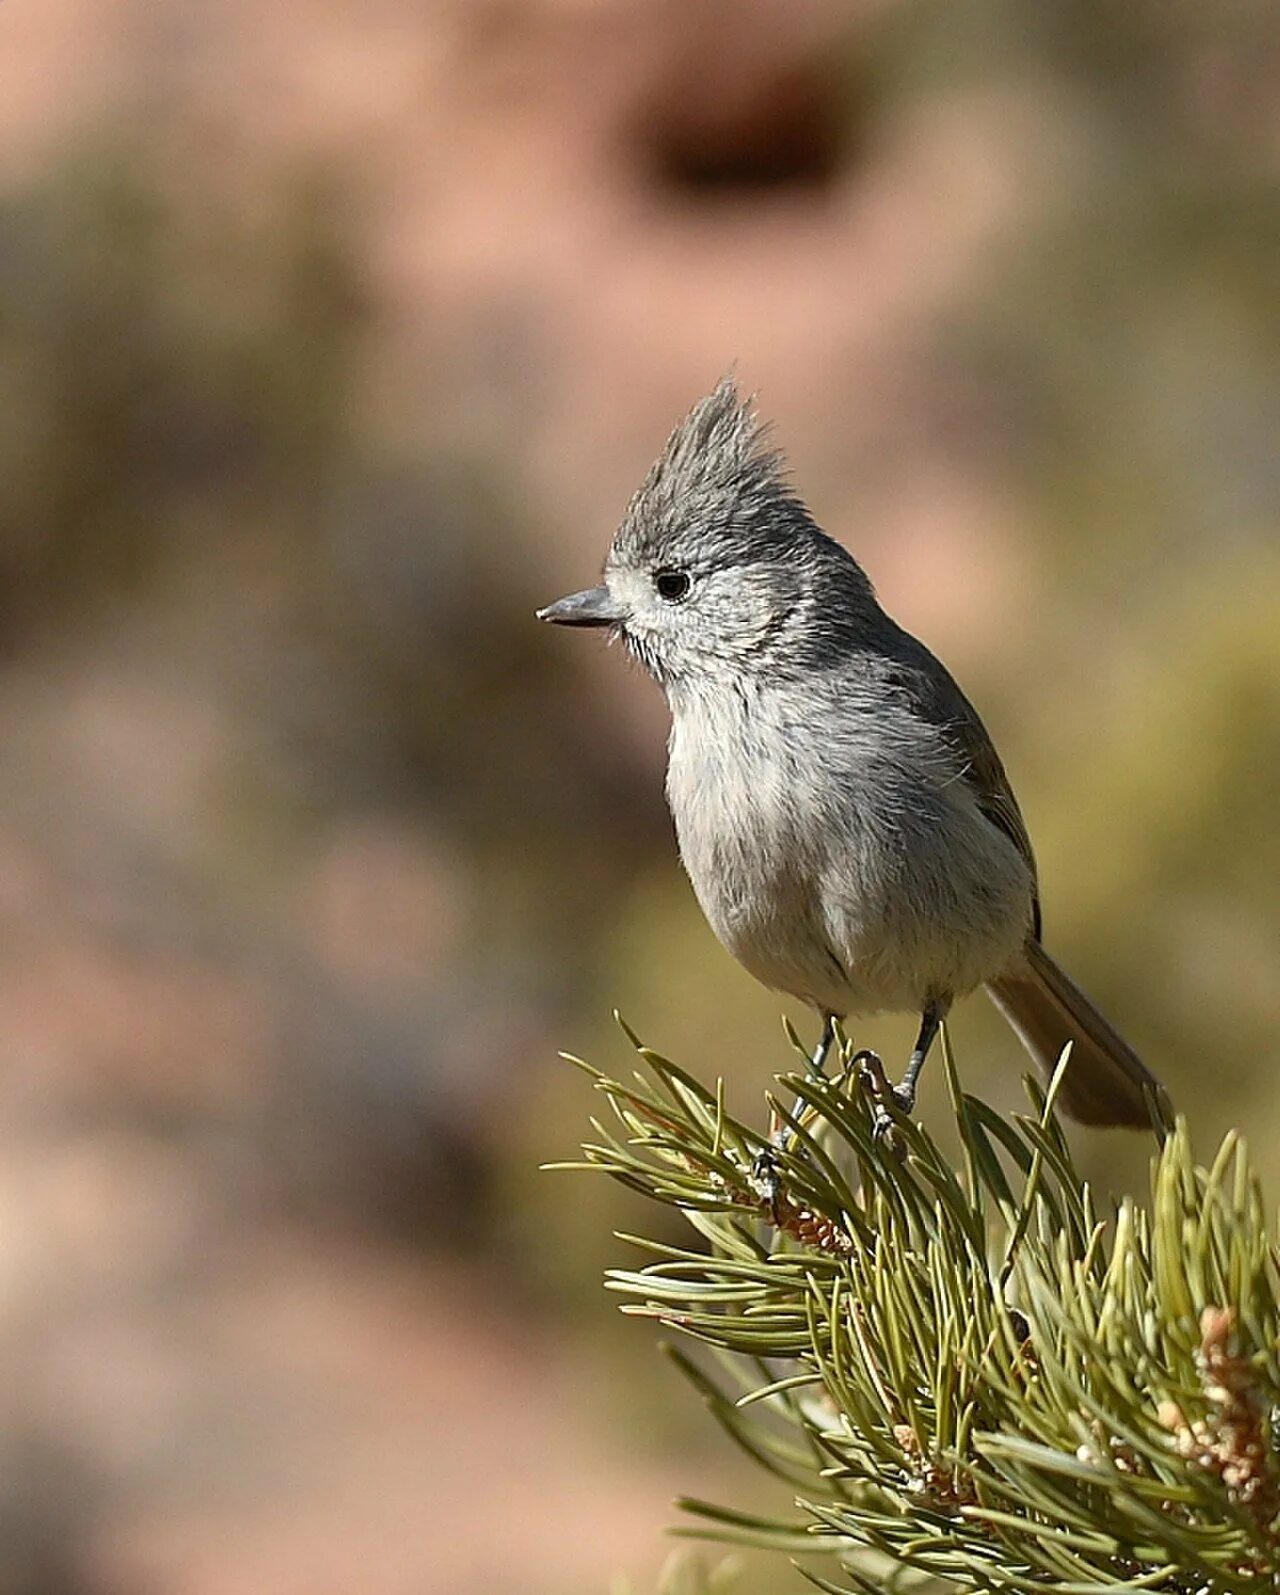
<point x="967" y="1379"/>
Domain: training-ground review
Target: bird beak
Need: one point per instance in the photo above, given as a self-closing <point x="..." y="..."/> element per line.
<point x="595" y="607"/>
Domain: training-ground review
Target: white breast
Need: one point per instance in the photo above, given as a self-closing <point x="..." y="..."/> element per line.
<point x="831" y="867"/>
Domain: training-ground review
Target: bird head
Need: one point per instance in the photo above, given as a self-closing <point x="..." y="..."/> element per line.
<point x="717" y="569"/>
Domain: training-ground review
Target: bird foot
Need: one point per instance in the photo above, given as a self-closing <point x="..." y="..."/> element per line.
<point x="875" y="1082"/>
<point x="885" y="1133"/>
<point x="865" y="1064"/>
<point x="766" y="1179"/>
<point x="904" y="1097"/>
<point x="869" y="1068"/>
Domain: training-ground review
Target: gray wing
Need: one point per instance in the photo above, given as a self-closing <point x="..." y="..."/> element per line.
<point x="935" y="696"/>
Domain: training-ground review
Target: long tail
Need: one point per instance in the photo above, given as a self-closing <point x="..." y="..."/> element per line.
<point x="1105" y="1082"/>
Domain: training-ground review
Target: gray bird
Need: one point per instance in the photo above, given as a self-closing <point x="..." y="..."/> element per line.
<point x="846" y="823"/>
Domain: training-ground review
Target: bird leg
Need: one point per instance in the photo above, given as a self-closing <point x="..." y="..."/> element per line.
<point x="765" y="1170"/>
<point x="817" y="1069"/>
<point x="818" y="1062"/>
<point x="904" y="1094"/>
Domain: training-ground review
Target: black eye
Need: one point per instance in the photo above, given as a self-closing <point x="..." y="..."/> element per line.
<point x="672" y="584"/>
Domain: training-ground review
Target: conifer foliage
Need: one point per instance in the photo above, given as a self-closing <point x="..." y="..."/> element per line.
<point x="971" y="1377"/>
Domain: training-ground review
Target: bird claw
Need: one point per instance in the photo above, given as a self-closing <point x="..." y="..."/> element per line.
<point x="900" y="1099"/>
<point x="869" y="1068"/>
<point x="766" y="1179"/>
<point x="886" y="1134"/>
<point x="904" y="1098"/>
<point x="876" y="1083"/>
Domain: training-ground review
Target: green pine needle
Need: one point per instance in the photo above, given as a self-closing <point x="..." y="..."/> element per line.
<point x="967" y="1380"/>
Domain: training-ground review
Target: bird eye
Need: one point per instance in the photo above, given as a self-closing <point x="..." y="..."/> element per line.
<point x="672" y="584"/>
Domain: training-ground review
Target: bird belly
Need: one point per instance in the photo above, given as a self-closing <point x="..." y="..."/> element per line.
<point x="929" y="912"/>
<point x="776" y="936"/>
<point x="848" y="907"/>
<point x="742" y="843"/>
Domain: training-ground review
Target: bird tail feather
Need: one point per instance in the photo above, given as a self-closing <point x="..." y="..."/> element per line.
<point x="1105" y="1083"/>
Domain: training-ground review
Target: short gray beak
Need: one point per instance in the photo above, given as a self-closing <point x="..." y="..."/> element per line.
<point x="595" y="607"/>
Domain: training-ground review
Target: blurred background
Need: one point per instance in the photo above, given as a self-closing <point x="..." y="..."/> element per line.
<point x="333" y="339"/>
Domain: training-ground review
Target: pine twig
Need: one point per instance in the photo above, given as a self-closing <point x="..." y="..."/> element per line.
<point x="971" y="1379"/>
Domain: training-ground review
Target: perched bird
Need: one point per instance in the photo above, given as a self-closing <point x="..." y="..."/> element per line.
<point x="846" y="823"/>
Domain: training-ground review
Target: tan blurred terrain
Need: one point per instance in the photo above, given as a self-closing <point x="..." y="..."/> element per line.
<point x="332" y="341"/>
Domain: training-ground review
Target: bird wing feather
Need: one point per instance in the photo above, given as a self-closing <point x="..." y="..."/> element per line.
<point x="937" y="698"/>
